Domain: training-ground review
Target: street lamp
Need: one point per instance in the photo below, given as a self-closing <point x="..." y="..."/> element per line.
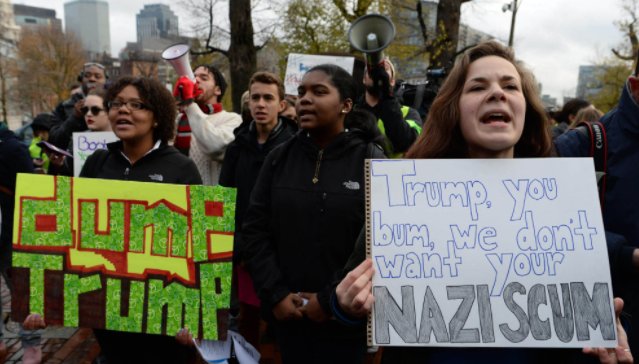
<point x="513" y="6"/>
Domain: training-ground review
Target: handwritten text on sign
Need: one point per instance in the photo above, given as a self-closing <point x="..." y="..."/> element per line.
<point x="489" y="253"/>
<point x="86" y="143"/>
<point x="299" y="64"/>
<point x="126" y="256"/>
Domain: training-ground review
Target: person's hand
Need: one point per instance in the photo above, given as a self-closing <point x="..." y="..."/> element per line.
<point x="33" y="322"/>
<point x="312" y="308"/>
<point x="288" y="308"/>
<point x="184" y="337"/>
<point x="56" y="159"/>
<point x="619" y="354"/>
<point x="354" y="293"/>
<point x="185" y="90"/>
<point x="381" y="81"/>
<point x="77" y="112"/>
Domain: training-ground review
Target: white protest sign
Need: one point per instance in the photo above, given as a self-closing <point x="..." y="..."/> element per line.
<point x="298" y="64"/>
<point x="86" y="143"/>
<point x="501" y="253"/>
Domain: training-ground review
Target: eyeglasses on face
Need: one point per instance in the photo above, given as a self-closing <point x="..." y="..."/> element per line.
<point x="94" y="110"/>
<point x="131" y="105"/>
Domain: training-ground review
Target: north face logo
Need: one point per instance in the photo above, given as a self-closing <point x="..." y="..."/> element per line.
<point x="351" y="185"/>
<point x="156" y="177"/>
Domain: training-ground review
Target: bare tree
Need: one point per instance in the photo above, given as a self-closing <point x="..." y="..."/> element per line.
<point x="240" y="49"/>
<point x="49" y="61"/>
<point x="629" y="50"/>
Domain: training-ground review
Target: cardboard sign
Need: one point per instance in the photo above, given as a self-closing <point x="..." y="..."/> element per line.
<point x="126" y="256"/>
<point x="86" y="143"/>
<point x="299" y="64"/>
<point x="501" y="253"/>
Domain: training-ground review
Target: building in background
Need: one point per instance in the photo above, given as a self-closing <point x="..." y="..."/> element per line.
<point x="30" y="16"/>
<point x="156" y="21"/>
<point x="89" y="20"/>
<point x="589" y="81"/>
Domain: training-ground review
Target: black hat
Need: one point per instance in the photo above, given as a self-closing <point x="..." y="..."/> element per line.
<point x="42" y="121"/>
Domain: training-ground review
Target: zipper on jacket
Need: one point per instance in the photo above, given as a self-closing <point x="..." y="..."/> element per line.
<point x="126" y="173"/>
<point x="317" y="166"/>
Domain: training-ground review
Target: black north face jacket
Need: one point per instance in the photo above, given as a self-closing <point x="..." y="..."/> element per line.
<point x="164" y="164"/>
<point x="305" y="214"/>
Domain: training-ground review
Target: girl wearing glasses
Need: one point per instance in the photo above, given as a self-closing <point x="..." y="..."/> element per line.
<point x="142" y="114"/>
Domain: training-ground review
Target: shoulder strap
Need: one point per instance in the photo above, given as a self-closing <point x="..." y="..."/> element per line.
<point x="598" y="151"/>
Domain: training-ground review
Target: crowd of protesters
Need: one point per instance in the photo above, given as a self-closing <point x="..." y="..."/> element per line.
<point x="297" y="162"/>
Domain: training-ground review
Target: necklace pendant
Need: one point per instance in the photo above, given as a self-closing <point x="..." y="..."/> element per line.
<point x="315" y="180"/>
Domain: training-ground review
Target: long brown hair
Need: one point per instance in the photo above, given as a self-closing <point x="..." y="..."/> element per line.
<point x="442" y="136"/>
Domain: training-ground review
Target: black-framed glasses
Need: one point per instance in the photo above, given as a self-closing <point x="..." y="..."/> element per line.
<point x="131" y="105"/>
<point x="95" y="110"/>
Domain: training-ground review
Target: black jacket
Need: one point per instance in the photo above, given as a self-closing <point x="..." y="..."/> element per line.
<point x="242" y="163"/>
<point x="305" y="213"/>
<point x="14" y="159"/>
<point x="164" y="164"/>
<point x="66" y="122"/>
<point x="400" y="130"/>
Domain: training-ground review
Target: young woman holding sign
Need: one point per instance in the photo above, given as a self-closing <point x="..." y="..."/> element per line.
<point x="488" y="107"/>
<point x="305" y="212"/>
<point x="142" y="114"/>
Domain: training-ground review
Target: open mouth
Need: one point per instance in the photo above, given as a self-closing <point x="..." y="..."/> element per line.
<point x="495" y="117"/>
<point x="123" y="122"/>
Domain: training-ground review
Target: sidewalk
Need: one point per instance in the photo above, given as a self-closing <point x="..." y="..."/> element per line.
<point x="59" y="344"/>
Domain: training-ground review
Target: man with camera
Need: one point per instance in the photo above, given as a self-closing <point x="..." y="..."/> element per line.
<point x="398" y="123"/>
<point x="205" y="129"/>
<point x="67" y="117"/>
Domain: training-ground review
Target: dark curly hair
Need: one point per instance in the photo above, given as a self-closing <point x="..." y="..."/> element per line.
<point x="157" y="99"/>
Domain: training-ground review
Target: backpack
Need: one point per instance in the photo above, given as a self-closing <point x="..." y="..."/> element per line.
<point x="596" y="133"/>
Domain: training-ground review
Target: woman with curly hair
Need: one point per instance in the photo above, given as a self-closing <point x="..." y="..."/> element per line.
<point x="142" y="114"/>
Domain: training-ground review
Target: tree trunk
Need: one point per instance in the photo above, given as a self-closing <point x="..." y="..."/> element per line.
<point x="3" y="89"/>
<point x="242" y="52"/>
<point x="445" y="44"/>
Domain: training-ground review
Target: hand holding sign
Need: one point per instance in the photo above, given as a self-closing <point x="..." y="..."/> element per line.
<point x="354" y="293"/>
<point x="619" y="354"/>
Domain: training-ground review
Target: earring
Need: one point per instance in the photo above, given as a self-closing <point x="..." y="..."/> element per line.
<point x="344" y="111"/>
<point x="155" y="125"/>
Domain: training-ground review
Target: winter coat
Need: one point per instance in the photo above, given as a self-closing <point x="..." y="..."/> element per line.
<point x="242" y="163"/>
<point x="162" y="164"/>
<point x="211" y="134"/>
<point x="399" y="124"/>
<point x="14" y="159"/>
<point x="621" y="206"/>
<point x="305" y="213"/>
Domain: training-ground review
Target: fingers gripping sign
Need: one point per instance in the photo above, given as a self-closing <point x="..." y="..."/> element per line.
<point x="354" y="292"/>
<point x="619" y="354"/>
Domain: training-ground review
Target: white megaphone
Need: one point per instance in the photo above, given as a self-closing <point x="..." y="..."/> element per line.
<point x="371" y="34"/>
<point x="178" y="56"/>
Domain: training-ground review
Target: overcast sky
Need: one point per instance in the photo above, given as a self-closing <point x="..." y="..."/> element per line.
<point x="553" y="37"/>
